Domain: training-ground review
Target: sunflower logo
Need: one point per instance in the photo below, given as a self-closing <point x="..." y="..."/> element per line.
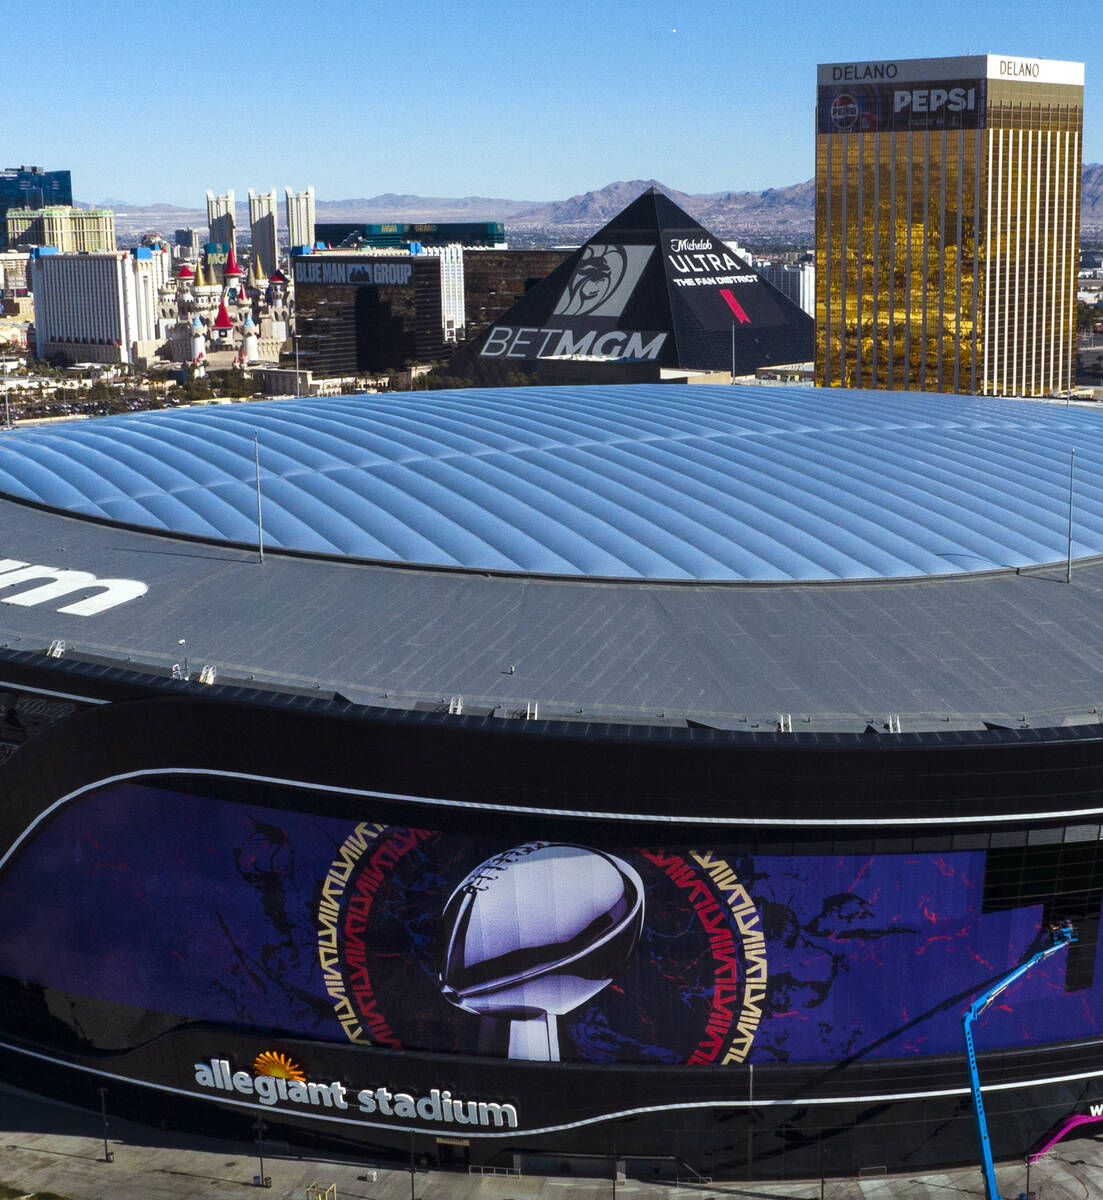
<point x="278" y="1066"/>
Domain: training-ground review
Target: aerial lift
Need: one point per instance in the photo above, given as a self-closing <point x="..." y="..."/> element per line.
<point x="1063" y="937"/>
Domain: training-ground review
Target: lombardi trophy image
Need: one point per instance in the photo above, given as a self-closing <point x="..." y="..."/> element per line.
<point x="536" y="931"/>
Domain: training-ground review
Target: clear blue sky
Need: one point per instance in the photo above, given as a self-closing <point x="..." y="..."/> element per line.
<point x="524" y="100"/>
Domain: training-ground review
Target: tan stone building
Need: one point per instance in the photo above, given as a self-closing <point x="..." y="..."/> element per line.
<point x="70" y="230"/>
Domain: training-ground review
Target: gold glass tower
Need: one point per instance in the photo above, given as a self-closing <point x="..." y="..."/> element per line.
<point x="947" y="224"/>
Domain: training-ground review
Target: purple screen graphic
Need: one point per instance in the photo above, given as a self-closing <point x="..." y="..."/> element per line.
<point x="327" y="928"/>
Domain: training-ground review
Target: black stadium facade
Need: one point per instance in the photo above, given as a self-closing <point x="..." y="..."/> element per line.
<point x="649" y="772"/>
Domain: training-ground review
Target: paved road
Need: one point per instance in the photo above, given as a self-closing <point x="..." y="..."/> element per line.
<point x="52" y="1147"/>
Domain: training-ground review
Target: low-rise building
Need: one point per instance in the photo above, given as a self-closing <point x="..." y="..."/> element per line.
<point x="13" y="271"/>
<point x="99" y="307"/>
<point x="795" y="281"/>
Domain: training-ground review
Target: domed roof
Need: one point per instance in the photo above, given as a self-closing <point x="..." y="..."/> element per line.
<point x="641" y="482"/>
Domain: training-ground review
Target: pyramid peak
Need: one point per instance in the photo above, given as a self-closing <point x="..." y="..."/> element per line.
<point x="652" y="286"/>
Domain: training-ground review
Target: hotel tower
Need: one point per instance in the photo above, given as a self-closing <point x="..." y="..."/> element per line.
<point x="947" y="224"/>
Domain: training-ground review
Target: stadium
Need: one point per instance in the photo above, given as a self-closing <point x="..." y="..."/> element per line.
<point x="540" y="777"/>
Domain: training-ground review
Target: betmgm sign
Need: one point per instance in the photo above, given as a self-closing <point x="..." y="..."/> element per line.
<point x="586" y="319"/>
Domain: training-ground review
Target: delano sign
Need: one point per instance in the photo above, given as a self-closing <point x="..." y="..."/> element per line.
<point x="925" y="93"/>
<point x="938" y="70"/>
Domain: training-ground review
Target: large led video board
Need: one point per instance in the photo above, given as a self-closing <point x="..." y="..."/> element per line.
<point x="877" y="107"/>
<point x="533" y="948"/>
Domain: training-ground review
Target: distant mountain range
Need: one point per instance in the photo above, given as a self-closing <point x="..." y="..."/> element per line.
<point x="787" y="211"/>
<point x="776" y="210"/>
<point x="1091" y="196"/>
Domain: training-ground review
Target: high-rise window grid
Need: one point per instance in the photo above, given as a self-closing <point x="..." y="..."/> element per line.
<point x="946" y="256"/>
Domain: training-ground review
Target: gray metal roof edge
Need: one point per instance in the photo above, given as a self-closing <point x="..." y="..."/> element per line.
<point x="128" y="674"/>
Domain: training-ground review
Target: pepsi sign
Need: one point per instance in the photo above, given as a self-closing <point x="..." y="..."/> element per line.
<point x="884" y="107"/>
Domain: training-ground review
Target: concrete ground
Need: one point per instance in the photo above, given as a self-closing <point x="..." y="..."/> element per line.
<point x="48" y="1147"/>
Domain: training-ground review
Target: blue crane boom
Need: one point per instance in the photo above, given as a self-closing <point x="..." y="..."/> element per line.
<point x="1063" y="936"/>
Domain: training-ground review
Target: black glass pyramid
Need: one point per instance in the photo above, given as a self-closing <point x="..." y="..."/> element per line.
<point x="651" y="286"/>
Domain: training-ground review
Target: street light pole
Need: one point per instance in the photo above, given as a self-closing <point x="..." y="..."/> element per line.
<point x="108" y="1155"/>
<point x="1072" y="472"/>
<point x="412" y="1197"/>
<point x="260" y="1127"/>
<point x="750" y="1120"/>
<point x="260" y="523"/>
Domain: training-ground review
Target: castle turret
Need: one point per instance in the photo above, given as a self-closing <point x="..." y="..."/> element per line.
<point x="198" y="341"/>
<point x="223" y="323"/>
<point x="249" y="339"/>
<point x="231" y="272"/>
<point x="185" y="283"/>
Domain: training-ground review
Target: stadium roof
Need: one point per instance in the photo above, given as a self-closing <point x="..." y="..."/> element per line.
<point x="1021" y="649"/>
<point x="630" y="482"/>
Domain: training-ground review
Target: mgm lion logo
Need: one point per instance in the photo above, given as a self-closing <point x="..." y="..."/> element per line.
<point x="603" y="281"/>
